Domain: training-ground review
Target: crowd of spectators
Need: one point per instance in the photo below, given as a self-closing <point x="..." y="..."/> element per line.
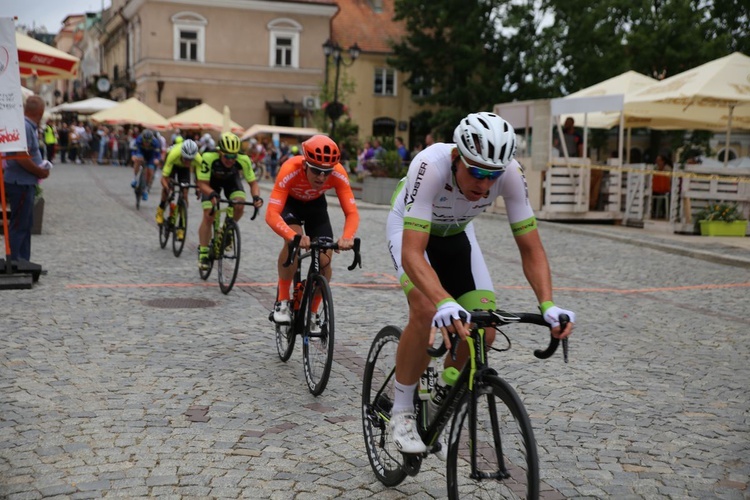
<point x="83" y="142"/>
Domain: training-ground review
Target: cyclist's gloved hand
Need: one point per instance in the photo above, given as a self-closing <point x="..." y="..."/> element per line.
<point x="552" y="315"/>
<point x="447" y="311"/>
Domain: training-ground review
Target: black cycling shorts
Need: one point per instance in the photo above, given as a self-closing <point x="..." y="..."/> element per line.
<point x="180" y="175"/>
<point x="312" y="215"/>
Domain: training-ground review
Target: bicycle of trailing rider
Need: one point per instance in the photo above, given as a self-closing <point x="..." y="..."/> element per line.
<point x="176" y="222"/>
<point x="311" y="312"/>
<point x="491" y="451"/>
<point x="224" y="246"/>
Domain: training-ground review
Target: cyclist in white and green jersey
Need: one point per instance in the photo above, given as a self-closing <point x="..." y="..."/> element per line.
<point x="436" y="255"/>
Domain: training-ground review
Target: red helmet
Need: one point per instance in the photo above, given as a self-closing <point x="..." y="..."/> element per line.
<point x="321" y="151"/>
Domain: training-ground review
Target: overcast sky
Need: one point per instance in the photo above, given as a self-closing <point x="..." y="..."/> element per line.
<point x="48" y="13"/>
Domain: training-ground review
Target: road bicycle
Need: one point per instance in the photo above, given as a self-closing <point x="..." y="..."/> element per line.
<point x="140" y="187"/>
<point x="491" y="448"/>
<point x="224" y="247"/>
<point x="176" y="223"/>
<point x="317" y="345"/>
<point x="140" y="184"/>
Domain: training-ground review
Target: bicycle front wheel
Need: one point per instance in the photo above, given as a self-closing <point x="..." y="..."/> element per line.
<point x="504" y="449"/>
<point x="229" y="257"/>
<point x="164" y="233"/>
<point x="140" y="187"/>
<point x="317" y="341"/>
<point x="377" y="392"/>
<point x="205" y="273"/>
<point x="180" y="227"/>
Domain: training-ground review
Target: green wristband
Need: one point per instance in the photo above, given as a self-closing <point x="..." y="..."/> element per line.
<point x="544" y="306"/>
<point x="445" y="301"/>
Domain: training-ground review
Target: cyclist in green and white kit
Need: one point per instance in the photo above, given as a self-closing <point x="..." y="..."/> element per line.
<point x="222" y="170"/>
<point x="436" y="255"/>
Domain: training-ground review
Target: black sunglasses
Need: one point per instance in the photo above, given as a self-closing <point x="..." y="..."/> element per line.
<point x="319" y="171"/>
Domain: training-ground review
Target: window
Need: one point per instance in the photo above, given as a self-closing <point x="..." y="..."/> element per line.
<point x="385" y="81"/>
<point x="284" y="43"/>
<point x="184" y="104"/>
<point x="189" y="33"/>
<point x="188" y="45"/>
<point x="283" y="51"/>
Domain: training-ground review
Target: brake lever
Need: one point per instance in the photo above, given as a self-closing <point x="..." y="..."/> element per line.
<point x="357" y="257"/>
<point x="292" y="250"/>
<point x="554" y="342"/>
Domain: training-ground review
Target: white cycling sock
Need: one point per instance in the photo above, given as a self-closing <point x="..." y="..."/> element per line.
<point x="404" y="398"/>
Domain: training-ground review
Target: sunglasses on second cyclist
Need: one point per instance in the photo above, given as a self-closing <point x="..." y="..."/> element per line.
<point x="481" y="173"/>
<point x="316" y="171"/>
<point x="229" y="156"/>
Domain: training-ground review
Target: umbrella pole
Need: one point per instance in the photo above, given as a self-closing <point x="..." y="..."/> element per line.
<point x="729" y="134"/>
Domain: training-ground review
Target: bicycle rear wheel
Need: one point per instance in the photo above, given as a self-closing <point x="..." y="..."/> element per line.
<point x="229" y="257"/>
<point x="317" y="348"/>
<point x="180" y="227"/>
<point x="377" y="390"/>
<point x="506" y="454"/>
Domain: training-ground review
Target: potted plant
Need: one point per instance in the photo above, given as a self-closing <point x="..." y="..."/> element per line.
<point x="721" y="219"/>
<point x="386" y="172"/>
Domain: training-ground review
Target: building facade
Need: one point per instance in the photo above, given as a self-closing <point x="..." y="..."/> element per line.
<point x="262" y="58"/>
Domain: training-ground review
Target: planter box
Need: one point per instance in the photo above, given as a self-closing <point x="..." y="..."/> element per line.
<point x="722" y="228"/>
<point x="378" y="190"/>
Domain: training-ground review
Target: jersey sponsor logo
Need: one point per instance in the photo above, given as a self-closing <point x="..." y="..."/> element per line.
<point x="417" y="225"/>
<point x="481" y="206"/>
<point x="415" y="188"/>
<point x="443" y="198"/>
<point x="393" y="257"/>
<point x="306" y="194"/>
<point x="288" y="178"/>
<point x="341" y="176"/>
<point x="524" y="227"/>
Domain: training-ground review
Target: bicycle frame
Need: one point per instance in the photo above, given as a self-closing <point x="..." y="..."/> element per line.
<point x="220" y="224"/>
<point x="317" y="246"/>
<point x="472" y="374"/>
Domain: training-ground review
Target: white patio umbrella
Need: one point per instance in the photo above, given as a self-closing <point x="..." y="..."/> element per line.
<point x="627" y="84"/>
<point x="85" y="107"/>
<point x="715" y="95"/>
<point x="132" y="112"/>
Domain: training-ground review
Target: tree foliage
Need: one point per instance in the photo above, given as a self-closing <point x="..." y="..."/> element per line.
<point x="472" y="54"/>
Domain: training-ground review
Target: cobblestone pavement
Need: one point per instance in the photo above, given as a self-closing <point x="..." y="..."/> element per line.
<point x="105" y="395"/>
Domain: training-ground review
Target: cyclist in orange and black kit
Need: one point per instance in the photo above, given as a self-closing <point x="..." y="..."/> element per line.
<point x="298" y="199"/>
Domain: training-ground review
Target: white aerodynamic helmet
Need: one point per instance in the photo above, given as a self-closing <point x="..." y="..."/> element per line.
<point x="189" y="149"/>
<point x="486" y="139"/>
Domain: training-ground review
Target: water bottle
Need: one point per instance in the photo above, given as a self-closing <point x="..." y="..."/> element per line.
<point x="440" y="390"/>
<point x="427" y="382"/>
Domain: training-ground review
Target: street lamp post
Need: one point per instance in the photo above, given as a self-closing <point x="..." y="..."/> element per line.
<point x="335" y="109"/>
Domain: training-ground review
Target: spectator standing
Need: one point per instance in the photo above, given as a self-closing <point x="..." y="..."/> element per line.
<point x="428" y="140"/>
<point x="50" y="140"/>
<point x="21" y="178"/>
<point x="63" y="141"/>
<point x="402" y="151"/>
